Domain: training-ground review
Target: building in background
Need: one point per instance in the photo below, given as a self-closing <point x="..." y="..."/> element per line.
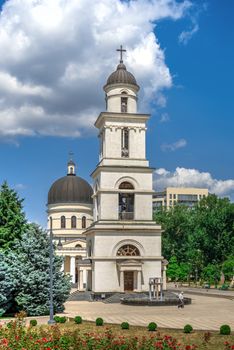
<point x="172" y="195"/>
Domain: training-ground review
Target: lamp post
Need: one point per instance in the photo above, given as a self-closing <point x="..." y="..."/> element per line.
<point x="51" y="320"/>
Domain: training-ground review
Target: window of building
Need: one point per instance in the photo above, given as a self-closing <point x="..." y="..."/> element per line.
<point x="170" y="203"/>
<point x="174" y="196"/>
<point x="83" y="223"/>
<point x="78" y="246"/>
<point x="125" y="142"/>
<point x="124" y="104"/>
<point x="170" y="195"/>
<point x="126" y="202"/>
<point x="73" y="222"/>
<point x="128" y="250"/>
<point x="63" y="221"/>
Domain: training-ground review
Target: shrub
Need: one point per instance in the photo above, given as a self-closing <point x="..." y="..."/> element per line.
<point x="188" y="328"/>
<point x="78" y="319"/>
<point x="33" y="323"/>
<point x="99" y="321"/>
<point x="125" y="325"/>
<point x="152" y="326"/>
<point x="225" y="329"/>
<point x="57" y="319"/>
<point x="62" y="319"/>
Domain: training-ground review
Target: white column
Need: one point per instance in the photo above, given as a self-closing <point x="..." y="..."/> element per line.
<point x="121" y="281"/>
<point x="63" y="263"/>
<point x="81" y="280"/>
<point x="139" y="281"/>
<point x="164" y="278"/>
<point x="73" y="268"/>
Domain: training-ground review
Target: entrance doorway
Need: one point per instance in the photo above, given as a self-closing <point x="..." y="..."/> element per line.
<point x="128" y="281"/>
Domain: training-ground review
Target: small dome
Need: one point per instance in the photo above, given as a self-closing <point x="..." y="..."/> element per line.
<point x="70" y="189"/>
<point x="121" y="76"/>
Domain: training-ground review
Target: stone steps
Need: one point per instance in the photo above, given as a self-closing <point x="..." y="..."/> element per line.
<point x="80" y="296"/>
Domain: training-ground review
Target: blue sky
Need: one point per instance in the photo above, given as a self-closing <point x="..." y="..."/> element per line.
<point x="190" y="135"/>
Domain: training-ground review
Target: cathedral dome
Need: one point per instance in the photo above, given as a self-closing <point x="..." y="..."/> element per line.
<point x="121" y="76"/>
<point x="70" y="189"/>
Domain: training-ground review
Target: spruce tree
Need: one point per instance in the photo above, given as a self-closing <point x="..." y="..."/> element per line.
<point x="6" y="286"/>
<point x="29" y="269"/>
<point x="12" y="217"/>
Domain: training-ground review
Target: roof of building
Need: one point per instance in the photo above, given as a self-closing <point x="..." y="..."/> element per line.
<point x="121" y="76"/>
<point x="70" y="189"/>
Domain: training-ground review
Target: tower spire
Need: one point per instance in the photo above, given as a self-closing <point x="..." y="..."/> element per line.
<point x="121" y="50"/>
<point x="71" y="167"/>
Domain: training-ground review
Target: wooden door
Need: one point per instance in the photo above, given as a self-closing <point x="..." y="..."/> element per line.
<point x="128" y="280"/>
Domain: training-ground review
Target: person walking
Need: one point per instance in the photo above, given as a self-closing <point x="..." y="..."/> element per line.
<point x="181" y="300"/>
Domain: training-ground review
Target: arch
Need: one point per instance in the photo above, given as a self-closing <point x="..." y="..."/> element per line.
<point x="78" y="246"/>
<point x="133" y="242"/>
<point x="124" y="92"/>
<point x="126" y="185"/>
<point x="73" y="221"/>
<point x="63" y="221"/>
<point x="128" y="250"/>
<point x="83" y="222"/>
<point x="126" y="179"/>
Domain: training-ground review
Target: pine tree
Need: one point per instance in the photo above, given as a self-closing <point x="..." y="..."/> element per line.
<point x="12" y="218"/>
<point x="29" y="269"/>
<point x="6" y="286"/>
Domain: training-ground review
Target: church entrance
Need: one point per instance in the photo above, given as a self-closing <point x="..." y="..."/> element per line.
<point x="128" y="281"/>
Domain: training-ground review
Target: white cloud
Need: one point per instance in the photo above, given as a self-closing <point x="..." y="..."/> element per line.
<point x="174" y="146"/>
<point x="183" y="177"/>
<point x="164" y="118"/>
<point x="56" y="55"/>
<point x="185" y="36"/>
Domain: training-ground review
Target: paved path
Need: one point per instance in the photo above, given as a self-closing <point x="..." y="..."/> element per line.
<point x="229" y="294"/>
<point x="204" y="313"/>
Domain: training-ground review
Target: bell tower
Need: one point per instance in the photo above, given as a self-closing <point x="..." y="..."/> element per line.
<point x="123" y="190"/>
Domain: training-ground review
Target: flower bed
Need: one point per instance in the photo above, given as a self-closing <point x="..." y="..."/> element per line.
<point x="72" y="336"/>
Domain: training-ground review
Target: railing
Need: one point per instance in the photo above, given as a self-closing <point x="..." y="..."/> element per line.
<point x="70" y="248"/>
<point x="126" y="215"/>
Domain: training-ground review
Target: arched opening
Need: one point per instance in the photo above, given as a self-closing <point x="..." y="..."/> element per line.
<point x="125" y="143"/>
<point x="63" y="221"/>
<point x="83" y="222"/>
<point x="73" y="222"/>
<point x="124" y="102"/>
<point x="78" y="246"/>
<point x="126" y="202"/>
<point x="128" y="250"/>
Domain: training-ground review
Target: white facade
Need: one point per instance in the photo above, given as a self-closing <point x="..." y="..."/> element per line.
<point x="123" y="243"/>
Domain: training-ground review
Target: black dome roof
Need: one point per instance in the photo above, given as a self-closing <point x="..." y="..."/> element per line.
<point x="121" y="76"/>
<point x="70" y="189"/>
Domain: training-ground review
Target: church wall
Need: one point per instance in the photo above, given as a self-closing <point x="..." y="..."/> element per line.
<point x="150" y="269"/>
<point x="143" y="212"/>
<point x="106" y="277"/>
<point x="109" y="179"/>
<point x="113" y="137"/>
<point x="107" y="244"/>
<point x="109" y="206"/>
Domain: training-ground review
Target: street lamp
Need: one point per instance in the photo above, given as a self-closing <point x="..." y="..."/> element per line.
<point x="51" y="320"/>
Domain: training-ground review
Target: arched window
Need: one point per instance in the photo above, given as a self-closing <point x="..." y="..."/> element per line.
<point x="73" y="222"/>
<point x="125" y="185"/>
<point x="128" y="250"/>
<point x="126" y="201"/>
<point x="125" y="142"/>
<point x="63" y="222"/>
<point x="78" y="246"/>
<point x="124" y="102"/>
<point x="83" y="222"/>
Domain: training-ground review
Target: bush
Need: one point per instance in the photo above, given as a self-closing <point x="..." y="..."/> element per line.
<point x="62" y="319"/>
<point x="152" y="326"/>
<point x="33" y="323"/>
<point x="125" y="325"/>
<point x="57" y="319"/>
<point x="78" y="319"/>
<point x="99" y="321"/>
<point x="188" y="328"/>
<point x="225" y="329"/>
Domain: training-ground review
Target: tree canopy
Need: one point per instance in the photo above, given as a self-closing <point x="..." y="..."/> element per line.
<point x="12" y="217"/>
<point x="202" y="236"/>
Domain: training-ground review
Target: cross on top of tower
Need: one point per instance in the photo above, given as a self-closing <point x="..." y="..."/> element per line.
<point x="71" y="154"/>
<point x="121" y="50"/>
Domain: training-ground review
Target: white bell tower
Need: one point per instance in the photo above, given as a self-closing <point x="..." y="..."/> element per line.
<point x="124" y="243"/>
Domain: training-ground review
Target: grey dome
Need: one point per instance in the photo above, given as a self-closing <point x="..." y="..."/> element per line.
<point x="121" y="76"/>
<point x="70" y="189"/>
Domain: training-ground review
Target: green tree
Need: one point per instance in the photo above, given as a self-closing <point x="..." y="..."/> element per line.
<point x="211" y="273"/>
<point x="6" y="286"/>
<point x="228" y="268"/>
<point x="12" y="218"/>
<point x="28" y="267"/>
